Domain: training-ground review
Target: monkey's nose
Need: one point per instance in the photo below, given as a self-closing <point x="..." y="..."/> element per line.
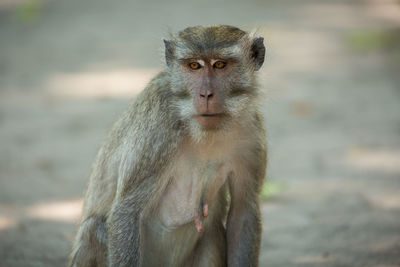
<point x="206" y="94"/>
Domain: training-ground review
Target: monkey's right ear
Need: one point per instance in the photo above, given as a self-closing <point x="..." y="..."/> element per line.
<point x="258" y="52"/>
<point x="169" y="52"/>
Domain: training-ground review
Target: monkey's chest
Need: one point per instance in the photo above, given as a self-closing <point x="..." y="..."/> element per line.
<point x="193" y="186"/>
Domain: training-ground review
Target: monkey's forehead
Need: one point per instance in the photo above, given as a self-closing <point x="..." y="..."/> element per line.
<point x="220" y="35"/>
<point x="207" y="52"/>
<point x="221" y="41"/>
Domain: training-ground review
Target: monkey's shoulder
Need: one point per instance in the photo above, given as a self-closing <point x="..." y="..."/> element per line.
<point x="156" y="93"/>
<point x="150" y="109"/>
<point x="145" y="135"/>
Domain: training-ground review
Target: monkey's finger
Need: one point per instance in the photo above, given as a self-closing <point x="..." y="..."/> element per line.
<point x="205" y="210"/>
<point x="198" y="224"/>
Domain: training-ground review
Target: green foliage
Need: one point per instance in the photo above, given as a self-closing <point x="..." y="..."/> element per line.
<point x="365" y="41"/>
<point x="271" y="189"/>
<point x="29" y="11"/>
<point x="387" y="41"/>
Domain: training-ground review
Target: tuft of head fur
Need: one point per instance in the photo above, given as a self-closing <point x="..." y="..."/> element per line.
<point x="203" y="38"/>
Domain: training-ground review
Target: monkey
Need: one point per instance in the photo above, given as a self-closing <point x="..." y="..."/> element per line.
<point x="177" y="181"/>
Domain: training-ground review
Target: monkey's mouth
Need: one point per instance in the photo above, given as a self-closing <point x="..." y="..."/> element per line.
<point x="211" y="115"/>
<point x="210" y="120"/>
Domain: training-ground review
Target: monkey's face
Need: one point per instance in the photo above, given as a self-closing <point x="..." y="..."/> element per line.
<point x="212" y="74"/>
<point x="206" y="80"/>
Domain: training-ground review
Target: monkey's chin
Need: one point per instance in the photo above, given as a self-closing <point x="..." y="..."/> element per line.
<point x="210" y="122"/>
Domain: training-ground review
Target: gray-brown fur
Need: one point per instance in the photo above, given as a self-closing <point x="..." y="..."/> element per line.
<point x="187" y="140"/>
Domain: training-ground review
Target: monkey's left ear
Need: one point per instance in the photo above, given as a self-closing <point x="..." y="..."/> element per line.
<point x="169" y="52"/>
<point x="258" y="52"/>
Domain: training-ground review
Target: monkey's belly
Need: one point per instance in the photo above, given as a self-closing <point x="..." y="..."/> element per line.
<point x="179" y="207"/>
<point x="168" y="248"/>
<point x="171" y="245"/>
<point x="190" y="189"/>
<point x="171" y="234"/>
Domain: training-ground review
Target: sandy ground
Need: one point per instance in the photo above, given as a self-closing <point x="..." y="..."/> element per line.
<point x="331" y="103"/>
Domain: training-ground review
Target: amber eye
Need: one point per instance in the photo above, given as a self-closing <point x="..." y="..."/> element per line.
<point x="219" y="64"/>
<point x="194" y="65"/>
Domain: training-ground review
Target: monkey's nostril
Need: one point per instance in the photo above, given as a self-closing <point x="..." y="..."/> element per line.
<point x="207" y="95"/>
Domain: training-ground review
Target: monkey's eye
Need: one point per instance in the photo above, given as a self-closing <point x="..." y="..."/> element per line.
<point x="219" y="64"/>
<point x="194" y="65"/>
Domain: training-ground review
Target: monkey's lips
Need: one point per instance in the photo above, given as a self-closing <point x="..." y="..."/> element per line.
<point x="210" y="121"/>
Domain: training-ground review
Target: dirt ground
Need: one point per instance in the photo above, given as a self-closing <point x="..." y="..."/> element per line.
<point x="331" y="103"/>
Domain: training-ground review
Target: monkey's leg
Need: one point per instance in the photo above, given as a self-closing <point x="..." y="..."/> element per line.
<point x="211" y="250"/>
<point x="91" y="244"/>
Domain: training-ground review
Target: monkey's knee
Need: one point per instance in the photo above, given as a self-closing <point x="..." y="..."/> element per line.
<point x="91" y="244"/>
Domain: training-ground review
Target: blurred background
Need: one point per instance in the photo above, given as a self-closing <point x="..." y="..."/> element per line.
<point x="331" y="100"/>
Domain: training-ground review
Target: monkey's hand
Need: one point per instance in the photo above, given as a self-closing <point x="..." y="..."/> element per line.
<point x="198" y="220"/>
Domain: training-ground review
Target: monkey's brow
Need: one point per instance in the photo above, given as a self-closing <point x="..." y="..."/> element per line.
<point x="188" y="59"/>
<point x="229" y="58"/>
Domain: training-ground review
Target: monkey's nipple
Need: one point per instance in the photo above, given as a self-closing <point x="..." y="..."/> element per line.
<point x="198" y="220"/>
<point x="198" y="224"/>
<point x="205" y="210"/>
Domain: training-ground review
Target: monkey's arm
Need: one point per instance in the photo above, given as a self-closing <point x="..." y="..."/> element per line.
<point x="124" y="234"/>
<point x="140" y="190"/>
<point x="125" y="226"/>
<point x="244" y="218"/>
<point x="148" y="141"/>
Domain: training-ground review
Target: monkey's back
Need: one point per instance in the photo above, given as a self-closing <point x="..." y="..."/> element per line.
<point x="119" y="164"/>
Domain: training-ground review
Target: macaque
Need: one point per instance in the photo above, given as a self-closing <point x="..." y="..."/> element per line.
<point x="177" y="181"/>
